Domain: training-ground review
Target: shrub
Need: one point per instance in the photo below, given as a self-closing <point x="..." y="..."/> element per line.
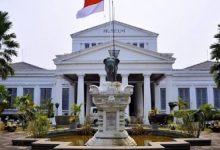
<point x="190" y="126"/>
<point x="216" y="116"/>
<point x="2" y="126"/>
<point x="161" y="119"/>
<point x="47" y="108"/>
<point x="26" y="109"/>
<point x="40" y="126"/>
<point x="182" y="113"/>
<point x="209" y="111"/>
<point x="3" y="105"/>
<point x="87" y="127"/>
<point x="138" y="128"/>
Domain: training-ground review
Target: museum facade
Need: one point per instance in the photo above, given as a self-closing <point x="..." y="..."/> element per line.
<point x="155" y="81"/>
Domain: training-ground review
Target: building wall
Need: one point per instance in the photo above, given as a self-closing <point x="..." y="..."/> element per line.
<point x="124" y="34"/>
<point x="191" y="80"/>
<point x="134" y="60"/>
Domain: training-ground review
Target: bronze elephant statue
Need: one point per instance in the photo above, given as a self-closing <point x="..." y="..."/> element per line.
<point x="111" y="68"/>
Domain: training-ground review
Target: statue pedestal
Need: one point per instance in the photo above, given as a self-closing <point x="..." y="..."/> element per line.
<point x="111" y="99"/>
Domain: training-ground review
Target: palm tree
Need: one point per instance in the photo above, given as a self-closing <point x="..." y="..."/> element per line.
<point x="215" y="55"/>
<point x="7" y="46"/>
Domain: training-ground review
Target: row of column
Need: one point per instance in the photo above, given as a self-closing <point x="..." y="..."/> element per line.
<point x="144" y="103"/>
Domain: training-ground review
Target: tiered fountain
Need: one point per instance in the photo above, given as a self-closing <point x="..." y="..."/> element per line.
<point x="111" y="99"/>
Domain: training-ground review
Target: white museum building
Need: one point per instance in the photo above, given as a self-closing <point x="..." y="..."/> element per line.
<point x="141" y="64"/>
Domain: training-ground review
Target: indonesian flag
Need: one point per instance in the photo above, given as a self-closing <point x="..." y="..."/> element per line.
<point x="90" y="7"/>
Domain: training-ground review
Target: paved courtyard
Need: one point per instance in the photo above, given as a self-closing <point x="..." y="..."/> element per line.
<point x="6" y="137"/>
<point x="5" y="140"/>
<point x="215" y="137"/>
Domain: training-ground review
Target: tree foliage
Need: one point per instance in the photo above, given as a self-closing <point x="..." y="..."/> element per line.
<point x="26" y="109"/>
<point x="48" y="108"/>
<point x="8" y="46"/>
<point x="3" y="98"/>
<point x="215" y="55"/>
<point x="39" y="126"/>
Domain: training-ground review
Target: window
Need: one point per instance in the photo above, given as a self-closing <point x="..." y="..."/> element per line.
<point x="135" y="44"/>
<point x="163" y="98"/>
<point x="93" y="44"/>
<point x="184" y="94"/>
<point x="216" y="97"/>
<point x="141" y="45"/>
<point x="86" y="45"/>
<point x="201" y="96"/>
<point x="29" y="91"/>
<point x="65" y="99"/>
<point x="45" y="94"/>
<point x="12" y="95"/>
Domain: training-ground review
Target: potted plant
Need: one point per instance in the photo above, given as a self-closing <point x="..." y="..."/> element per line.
<point x="74" y="118"/>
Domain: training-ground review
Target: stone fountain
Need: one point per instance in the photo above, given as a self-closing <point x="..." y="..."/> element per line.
<point x="111" y="99"/>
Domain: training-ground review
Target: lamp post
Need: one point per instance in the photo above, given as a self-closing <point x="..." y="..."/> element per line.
<point x="56" y="117"/>
<point x="57" y="106"/>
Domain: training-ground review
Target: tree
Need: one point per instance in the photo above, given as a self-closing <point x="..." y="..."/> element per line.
<point x="26" y="109"/>
<point x="47" y="108"/>
<point x="215" y="55"/>
<point x="75" y="111"/>
<point x="7" y="46"/>
<point x="3" y="98"/>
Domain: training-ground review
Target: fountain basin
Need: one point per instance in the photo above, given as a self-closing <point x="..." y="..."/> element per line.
<point x="141" y="140"/>
<point x="177" y="141"/>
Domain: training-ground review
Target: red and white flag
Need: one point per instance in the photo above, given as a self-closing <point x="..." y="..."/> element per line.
<point x="90" y="7"/>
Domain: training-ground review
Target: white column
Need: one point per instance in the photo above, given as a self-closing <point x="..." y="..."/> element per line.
<point x="124" y="83"/>
<point x="147" y="98"/>
<point x="88" y="100"/>
<point x="80" y="97"/>
<point x="169" y="90"/>
<point x="157" y="96"/>
<point x="140" y="100"/>
<point x="193" y="104"/>
<point x="210" y="95"/>
<point x="71" y="96"/>
<point x="20" y="91"/>
<point x="58" y="94"/>
<point x="37" y="95"/>
<point x="124" y="79"/>
<point x="102" y="78"/>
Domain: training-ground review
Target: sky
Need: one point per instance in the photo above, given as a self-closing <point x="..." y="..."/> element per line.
<point x="43" y="27"/>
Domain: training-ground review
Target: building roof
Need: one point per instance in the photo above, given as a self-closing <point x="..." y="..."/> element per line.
<point x="204" y="66"/>
<point x="21" y="66"/>
<point x="116" y="22"/>
<point x="136" y="54"/>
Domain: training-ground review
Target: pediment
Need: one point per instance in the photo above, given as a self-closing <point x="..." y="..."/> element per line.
<point x="121" y="29"/>
<point x="128" y="53"/>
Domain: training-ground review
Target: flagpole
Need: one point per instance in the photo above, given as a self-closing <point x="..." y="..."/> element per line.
<point x="110" y="19"/>
<point x="113" y="27"/>
<point x="113" y="52"/>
